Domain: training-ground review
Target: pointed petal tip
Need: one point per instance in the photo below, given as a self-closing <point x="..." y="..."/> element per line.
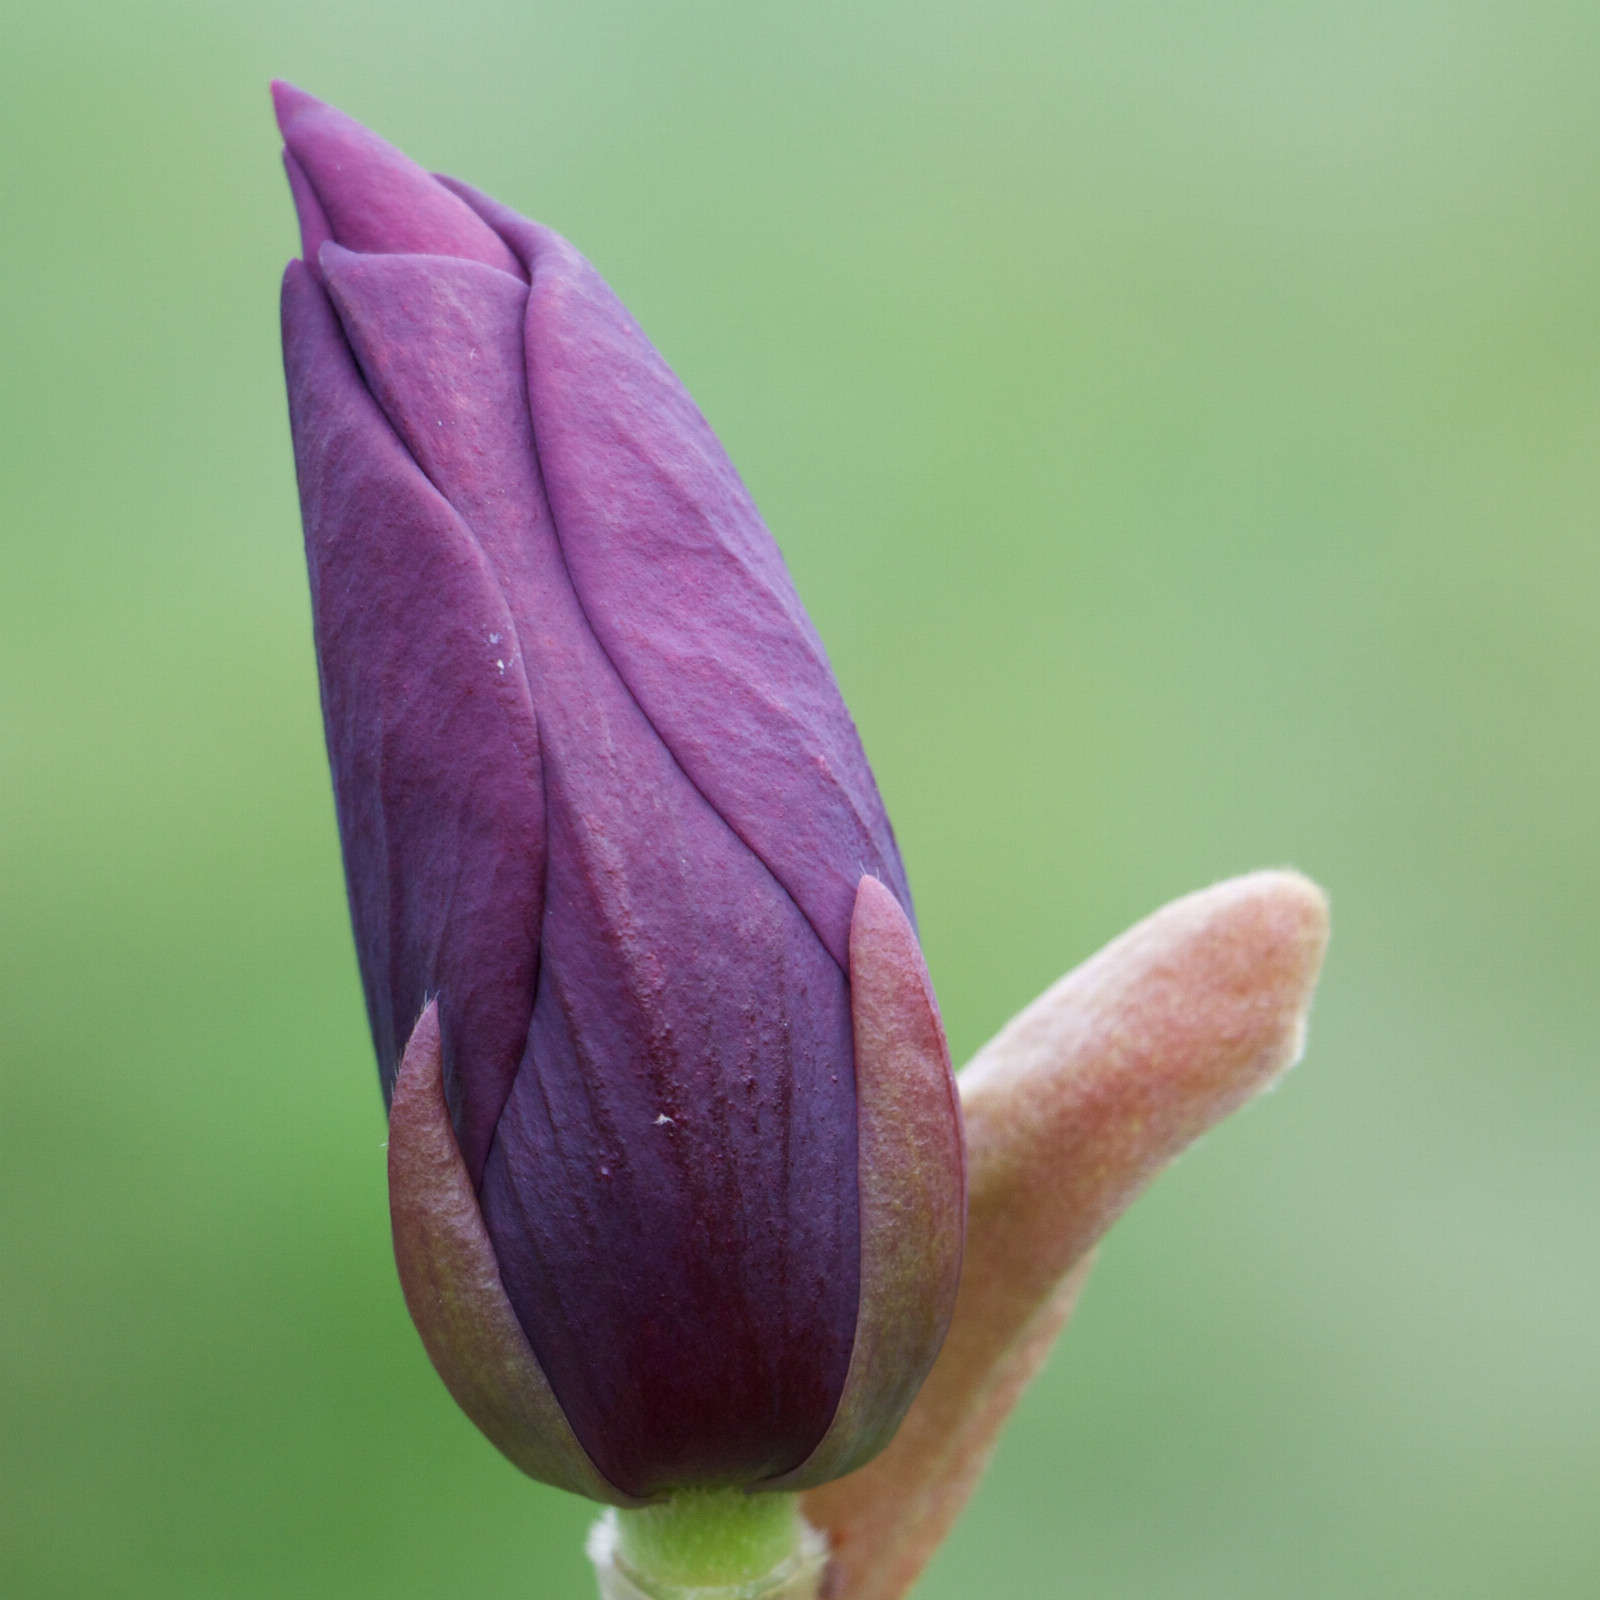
<point x="288" y="102"/>
<point x="353" y="186"/>
<point x="878" y="918"/>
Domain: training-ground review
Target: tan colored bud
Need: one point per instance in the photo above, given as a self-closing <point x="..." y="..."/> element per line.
<point x="1070" y="1111"/>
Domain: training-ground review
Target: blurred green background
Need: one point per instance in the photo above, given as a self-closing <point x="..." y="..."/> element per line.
<point x="1183" y="421"/>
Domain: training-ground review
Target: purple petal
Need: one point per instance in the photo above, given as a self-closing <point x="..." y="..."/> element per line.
<point x="672" y="1195"/>
<point x="688" y="593"/>
<point x="671" y="1192"/>
<point x="431" y="732"/>
<point x="371" y="197"/>
<point x="439" y="343"/>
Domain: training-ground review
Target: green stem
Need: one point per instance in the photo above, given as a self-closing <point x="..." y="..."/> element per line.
<point x="709" y="1544"/>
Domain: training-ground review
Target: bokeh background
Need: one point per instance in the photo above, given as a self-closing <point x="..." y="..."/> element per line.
<point x="1183" y="421"/>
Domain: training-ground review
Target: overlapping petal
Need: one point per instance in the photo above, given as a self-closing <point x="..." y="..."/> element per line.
<point x="640" y="939"/>
<point x="431" y="731"/>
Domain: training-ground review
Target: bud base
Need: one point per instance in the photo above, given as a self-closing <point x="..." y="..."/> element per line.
<point x="629" y="1568"/>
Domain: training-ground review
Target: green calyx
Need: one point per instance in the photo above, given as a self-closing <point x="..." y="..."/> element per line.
<point x="710" y="1538"/>
<point x="709" y="1544"/>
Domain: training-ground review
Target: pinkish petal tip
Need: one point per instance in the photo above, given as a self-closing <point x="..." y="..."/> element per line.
<point x="371" y="198"/>
<point x="288" y="102"/>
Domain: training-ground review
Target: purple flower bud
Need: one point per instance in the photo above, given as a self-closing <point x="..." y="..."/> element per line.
<point x="675" y="1156"/>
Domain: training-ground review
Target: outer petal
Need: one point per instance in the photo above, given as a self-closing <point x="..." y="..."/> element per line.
<point x="453" y="1290"/>
<point x="368" y="195"/>
<point x="431" y="732"/>
<point x="1070" y="1111"/>
<point x="688" y="592"/>
<point x="913" y="1187"/>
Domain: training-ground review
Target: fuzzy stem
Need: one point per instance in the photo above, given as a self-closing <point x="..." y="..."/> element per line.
<point x="709" y="1544"/>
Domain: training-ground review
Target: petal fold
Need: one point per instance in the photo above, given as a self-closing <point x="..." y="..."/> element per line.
<point x="690" y="597"/>
<point x="431" y="732"/>
<point x="688" y="592"/>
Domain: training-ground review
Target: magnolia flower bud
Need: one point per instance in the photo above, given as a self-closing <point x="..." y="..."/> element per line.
<point x="676" y="1167"/>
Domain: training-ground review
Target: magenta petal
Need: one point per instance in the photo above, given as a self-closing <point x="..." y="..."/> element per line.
<point x="372" y="197"/>
<point x="439" y="342"/>
<point x="431" y="732"/>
